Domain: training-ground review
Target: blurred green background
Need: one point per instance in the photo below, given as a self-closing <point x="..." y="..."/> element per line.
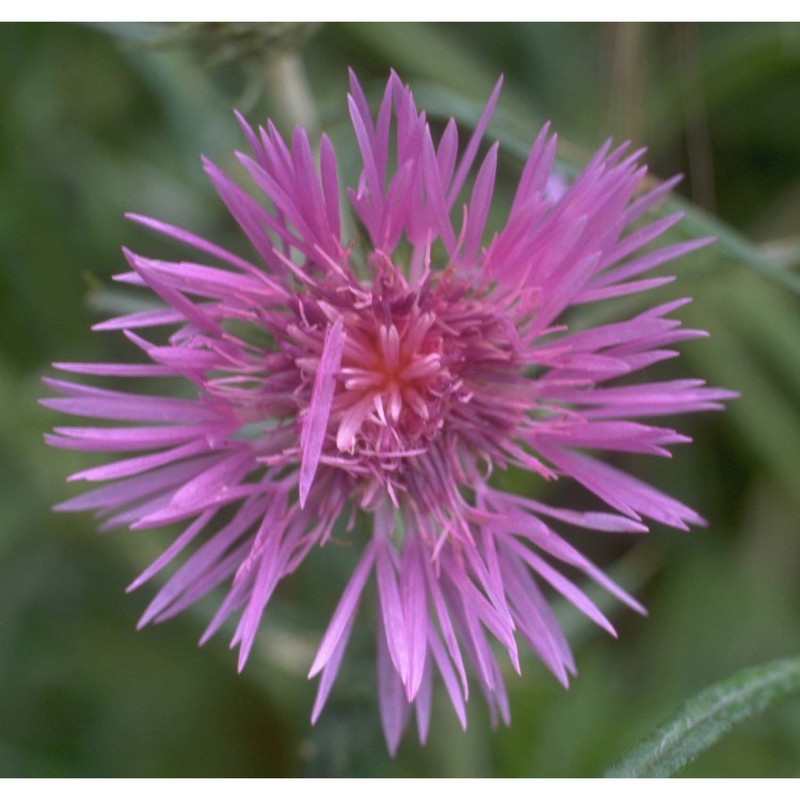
<point x="99" y="120"/>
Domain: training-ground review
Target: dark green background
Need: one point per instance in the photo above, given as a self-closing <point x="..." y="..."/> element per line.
<point x="99" y="120"/>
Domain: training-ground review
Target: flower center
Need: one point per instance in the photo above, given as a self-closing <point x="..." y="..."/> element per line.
<point x="396" y="384"/>
<point x="429" y="381"/>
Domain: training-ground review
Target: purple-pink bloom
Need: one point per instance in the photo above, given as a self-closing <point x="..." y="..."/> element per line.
<point x="389" y="374"/>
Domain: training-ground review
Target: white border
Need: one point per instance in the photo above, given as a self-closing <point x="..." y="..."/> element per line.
<point x="405" y="11"/>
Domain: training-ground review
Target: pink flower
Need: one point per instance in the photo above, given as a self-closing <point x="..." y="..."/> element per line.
<point x="390" y="374"/>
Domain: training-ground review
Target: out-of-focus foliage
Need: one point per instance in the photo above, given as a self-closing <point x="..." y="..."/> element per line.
<point x="99" y="120"/>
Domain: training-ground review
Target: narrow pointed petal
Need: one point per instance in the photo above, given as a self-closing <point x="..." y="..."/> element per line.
<point x="344" y="611"/>
<point x="316" y="421"/>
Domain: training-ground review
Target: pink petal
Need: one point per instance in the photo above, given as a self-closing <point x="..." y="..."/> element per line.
<point x="315" y="424"/>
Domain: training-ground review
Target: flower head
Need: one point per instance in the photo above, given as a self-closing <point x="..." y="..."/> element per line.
<point x="389" y="374"/>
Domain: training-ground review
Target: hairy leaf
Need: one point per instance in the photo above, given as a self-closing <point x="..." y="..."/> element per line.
<point x="706" y="717"/>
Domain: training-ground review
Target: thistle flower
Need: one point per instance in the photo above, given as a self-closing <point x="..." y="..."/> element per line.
<point x="389" y="375"/>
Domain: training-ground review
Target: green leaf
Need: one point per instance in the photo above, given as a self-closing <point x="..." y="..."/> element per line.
<point x="706" y="717"/>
